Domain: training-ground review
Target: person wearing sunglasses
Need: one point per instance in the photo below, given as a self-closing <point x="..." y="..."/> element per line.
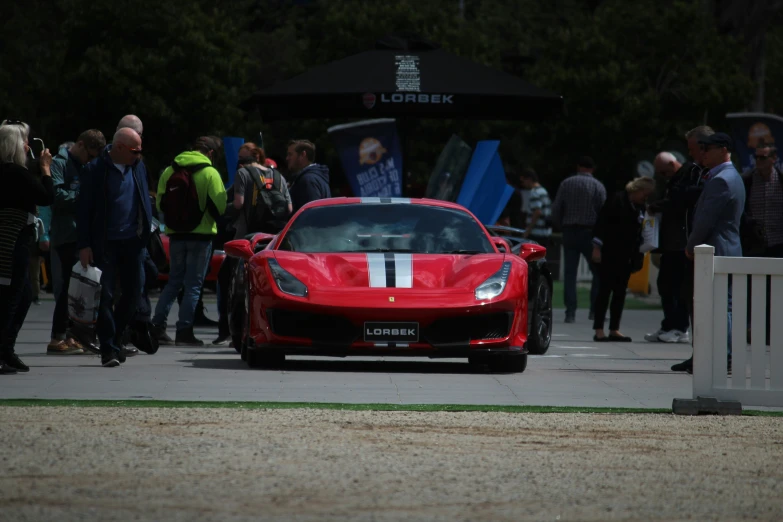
<point x="718" y="214"/>
<point x="113" y="224"/>
<point x="762" y="227"/>
<point x="67" y="168"/>
<point x="22" y="191"/>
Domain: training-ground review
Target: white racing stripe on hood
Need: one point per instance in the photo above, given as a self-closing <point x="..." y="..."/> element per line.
<point x="390" y="270"/>
<point x="403" y="268"/>
<point x="376" y="266"/>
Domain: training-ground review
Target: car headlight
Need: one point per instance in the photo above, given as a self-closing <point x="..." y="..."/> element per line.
<point x="286" y="282"/>
<point x="496" y="283"/>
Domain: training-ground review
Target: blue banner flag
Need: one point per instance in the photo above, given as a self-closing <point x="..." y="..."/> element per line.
<point x="371" y="157"/>
<point x="750" y="131"/>
<point x="231" y="150"/>
<point x="484" y="190"/>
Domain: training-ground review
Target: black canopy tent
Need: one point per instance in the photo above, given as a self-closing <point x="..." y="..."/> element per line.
<point x="404" y="78"/>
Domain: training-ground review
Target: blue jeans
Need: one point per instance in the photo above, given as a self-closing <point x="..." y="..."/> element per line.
<point x="189" y="260"/>
<point x="577" y="242"/>
<point x="120" y="260"/>
<point x="15" y="298"/>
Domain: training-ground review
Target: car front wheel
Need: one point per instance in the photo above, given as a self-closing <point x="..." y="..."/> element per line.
<point x="541" y="321"/>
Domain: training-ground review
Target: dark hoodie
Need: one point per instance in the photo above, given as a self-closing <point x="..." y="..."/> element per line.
<point x="309" y="184"/>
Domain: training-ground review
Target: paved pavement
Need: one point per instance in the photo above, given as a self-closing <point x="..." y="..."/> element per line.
<point x="575" y="372"/>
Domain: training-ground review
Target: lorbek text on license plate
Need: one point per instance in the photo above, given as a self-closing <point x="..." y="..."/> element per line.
<point x="391" y="332"/>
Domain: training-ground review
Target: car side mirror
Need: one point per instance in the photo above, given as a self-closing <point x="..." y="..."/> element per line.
<point x="239" y="248"/>
<point x="501" y="244"/>
<point x="532" y="252"/>
<point x="260" y="241"/>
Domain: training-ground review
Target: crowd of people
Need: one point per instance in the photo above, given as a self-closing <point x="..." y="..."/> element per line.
<point x="91" y="204"/>
<point x="98" y="208"/>
<point x="704" y="201"/>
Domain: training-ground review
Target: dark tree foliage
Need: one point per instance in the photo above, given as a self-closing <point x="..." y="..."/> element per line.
<point x="635" y="75"/>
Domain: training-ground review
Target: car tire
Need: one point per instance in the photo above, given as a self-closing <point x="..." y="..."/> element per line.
<point x="540" y="334"/>
<point x="508" y="363"/>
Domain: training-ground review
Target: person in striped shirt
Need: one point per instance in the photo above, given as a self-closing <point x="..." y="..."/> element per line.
<point x="539" y="219"/>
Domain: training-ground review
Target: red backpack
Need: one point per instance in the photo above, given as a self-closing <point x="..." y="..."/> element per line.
<point x="180" y="203"/>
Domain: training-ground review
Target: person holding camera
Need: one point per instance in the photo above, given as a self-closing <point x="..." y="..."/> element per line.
<point x="23" y="191"/>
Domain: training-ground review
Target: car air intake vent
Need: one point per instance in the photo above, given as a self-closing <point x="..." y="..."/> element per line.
<point x="456" y="330"/>
<point x="320" y="328"/>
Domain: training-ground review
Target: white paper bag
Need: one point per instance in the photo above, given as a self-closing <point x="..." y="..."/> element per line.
<point x="84" y="294"/>
<point x="650" y="229"/>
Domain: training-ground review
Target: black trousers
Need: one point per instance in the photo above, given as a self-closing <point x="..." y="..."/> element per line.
<point x="225" y="275"/>
<point x="16" y="297"/>
<point x="613" y="279"/>
<point x="670" y="280"/>
<point x="68" y="255"/>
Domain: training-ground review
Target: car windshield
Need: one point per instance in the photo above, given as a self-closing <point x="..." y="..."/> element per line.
<point x="371" y="227"/>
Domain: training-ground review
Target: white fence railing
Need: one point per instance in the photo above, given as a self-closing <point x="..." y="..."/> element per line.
<point x="757" y="367"/>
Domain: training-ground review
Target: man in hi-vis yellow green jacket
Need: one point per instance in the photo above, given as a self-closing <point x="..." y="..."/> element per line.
<point x="191" y="197"/>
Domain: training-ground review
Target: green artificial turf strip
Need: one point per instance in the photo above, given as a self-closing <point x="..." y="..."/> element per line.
<point x="583" y="299"/>
<point x="339" y="406"/>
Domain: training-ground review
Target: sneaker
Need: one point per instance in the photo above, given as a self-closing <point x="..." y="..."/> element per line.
<point x="654" y="337"/>
<point x="685" y="338"/>
<point x="14" y="362"/>
<point x="684" y="366"/>
<point x="672" y="336"/>
<point x="185" y="337"/>
<point x="222" y="340"/>
<point x="110" y="360"/>
<point x="570" y="319"/>
<point x="129" y="351"/>
<point x="6" y="370"/>
<point x="158" y="332"/>
<point x="58" y="347"/>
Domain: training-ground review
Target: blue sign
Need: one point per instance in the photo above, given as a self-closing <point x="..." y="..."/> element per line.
<point x="750" y="130"/>
<point x="371" y="157"/>
<point x="484" y="190"/>
<point x="231" y="150"/>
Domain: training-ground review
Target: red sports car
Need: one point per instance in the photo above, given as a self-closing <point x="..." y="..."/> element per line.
<point x="378" y="276"/>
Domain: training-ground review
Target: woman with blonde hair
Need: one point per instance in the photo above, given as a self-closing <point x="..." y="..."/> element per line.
<point x="617" y="236"/>
<point x="22" y="191"/>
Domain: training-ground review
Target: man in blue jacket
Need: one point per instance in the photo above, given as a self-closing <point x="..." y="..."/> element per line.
<point x="716" y="220"/>
<point x="310" y="180"/>
<point x="113" y="225"/>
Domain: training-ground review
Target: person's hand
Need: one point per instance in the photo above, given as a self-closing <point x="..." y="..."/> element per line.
<point x="85" y="257"/>
<point x="46" y="162"/>
<point x="43" y="246"/>
<point x="596" y="254"/>
<point x="689" y="255"/>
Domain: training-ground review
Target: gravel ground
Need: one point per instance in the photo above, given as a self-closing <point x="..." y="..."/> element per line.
<point x="225" y="464"/>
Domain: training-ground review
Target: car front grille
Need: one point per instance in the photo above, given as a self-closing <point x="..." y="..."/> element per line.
<point x="320" y="328"/>
<point x="462" y="330"/>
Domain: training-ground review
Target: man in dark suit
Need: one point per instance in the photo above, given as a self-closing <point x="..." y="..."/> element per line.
<point x="716" y="220"/>
<point x="114" y="219"/>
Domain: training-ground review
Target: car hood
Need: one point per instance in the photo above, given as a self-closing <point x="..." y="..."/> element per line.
<point x="416" y="271"/>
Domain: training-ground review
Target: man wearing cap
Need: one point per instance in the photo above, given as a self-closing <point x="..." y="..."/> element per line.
<point x="718" y="214"/>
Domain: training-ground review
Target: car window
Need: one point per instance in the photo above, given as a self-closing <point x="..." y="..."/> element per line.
<point x="385" y="228"/>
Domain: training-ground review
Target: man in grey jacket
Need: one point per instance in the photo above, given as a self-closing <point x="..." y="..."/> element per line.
<point x="716" y="221"/>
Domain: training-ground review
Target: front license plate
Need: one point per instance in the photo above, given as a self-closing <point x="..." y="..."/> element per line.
<point x="391" y="332"/>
